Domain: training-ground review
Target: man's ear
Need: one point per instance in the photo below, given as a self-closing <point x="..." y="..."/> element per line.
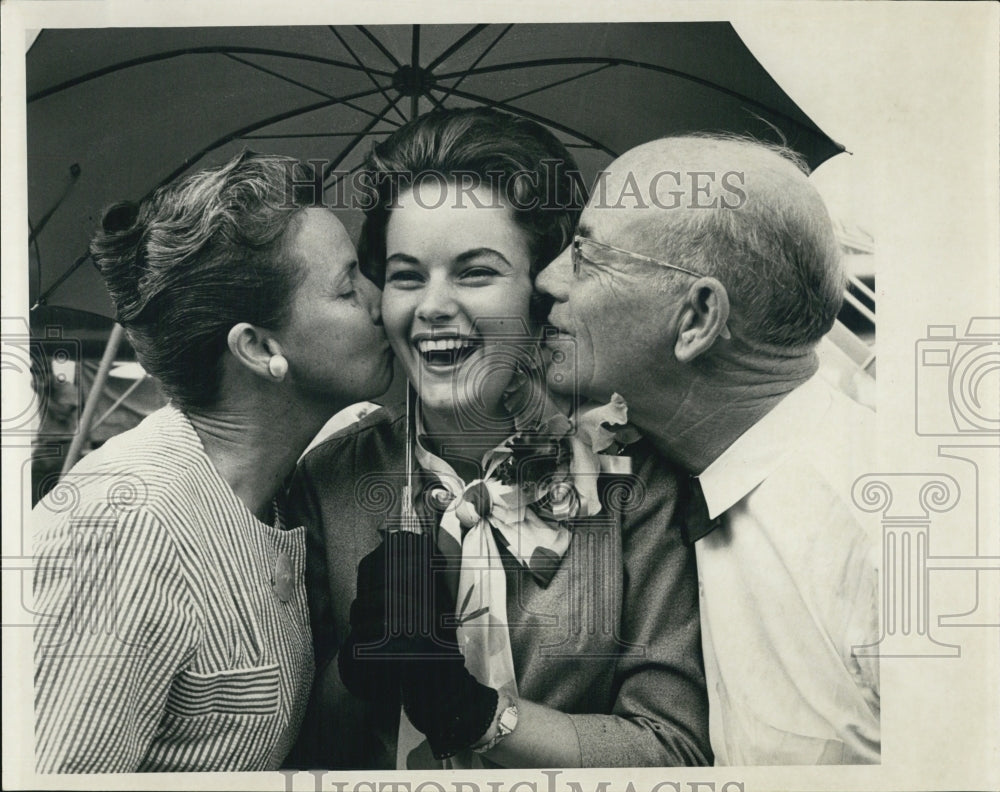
<point x="703" y="319"/>
<point x="252" y="347"/>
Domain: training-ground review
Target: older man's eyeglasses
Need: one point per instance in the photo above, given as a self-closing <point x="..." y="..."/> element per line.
<point x="585" y="249"/>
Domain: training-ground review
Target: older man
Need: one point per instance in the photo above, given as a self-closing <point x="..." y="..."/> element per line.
<point x="704" y="272"/>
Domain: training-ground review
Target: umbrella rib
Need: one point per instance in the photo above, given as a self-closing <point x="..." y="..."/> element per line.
<point x="264" y="69"/>
<point x="273" y="73"/>
<point x="476" y="62"/>
<point x="437" y="102"/>
<point x="531" y="64"/>
<point x="535" y="117"/>
<point x="558" y="82"/>
<point x="301" y="135"/>
<point x="415" y="46"/>
<point x="71" y="83"/>
<point x="33" y="240"/>
<point x="197" y="156"/>
<point x="415" y="65"/>
<point x="357" y="139"/>
<point x="465" y="39"/>
<point x="347" y="46"/>
<point x="74" y="175"/>
<point x="381" y="47"/>
<point x="43" y="298"/>
<point x="283" y="116"/>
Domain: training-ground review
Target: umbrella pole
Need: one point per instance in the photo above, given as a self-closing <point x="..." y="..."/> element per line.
<point x="118" y="402"/>
<point x="83" y="430"/>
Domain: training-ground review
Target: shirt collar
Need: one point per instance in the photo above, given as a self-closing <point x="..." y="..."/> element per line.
<point x="430" y="461"/>
<point x="757" y="452"/>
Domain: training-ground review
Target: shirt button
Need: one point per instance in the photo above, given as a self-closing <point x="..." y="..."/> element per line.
<point x="281" y="582"/>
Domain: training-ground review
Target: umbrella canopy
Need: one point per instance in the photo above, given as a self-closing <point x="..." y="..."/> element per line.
<point x="113" y="113"/>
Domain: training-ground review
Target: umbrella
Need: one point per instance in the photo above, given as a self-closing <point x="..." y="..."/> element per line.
<point x="113" y="113"/>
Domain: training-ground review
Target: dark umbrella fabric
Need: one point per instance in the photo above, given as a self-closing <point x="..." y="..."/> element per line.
<point x="113" y="113"/>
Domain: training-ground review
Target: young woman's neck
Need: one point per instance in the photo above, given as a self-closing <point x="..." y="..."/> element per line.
<point x="462" y="444"/>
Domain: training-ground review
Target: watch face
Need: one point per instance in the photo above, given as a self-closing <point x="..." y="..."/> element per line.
<point x="508" y="719"/>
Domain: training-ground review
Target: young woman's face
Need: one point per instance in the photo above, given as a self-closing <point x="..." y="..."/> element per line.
<point x="456" y="299"/>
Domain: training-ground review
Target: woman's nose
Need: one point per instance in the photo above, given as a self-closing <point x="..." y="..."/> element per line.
<point x="437" y="302"/>
<point x="556" y="277"/>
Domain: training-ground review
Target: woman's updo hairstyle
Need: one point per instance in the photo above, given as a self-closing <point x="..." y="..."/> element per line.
<point x="197" y="257"/>
<point x="524" y="164"/>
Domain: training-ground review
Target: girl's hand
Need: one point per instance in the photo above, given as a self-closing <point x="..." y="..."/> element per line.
<point x="391" y="615"/>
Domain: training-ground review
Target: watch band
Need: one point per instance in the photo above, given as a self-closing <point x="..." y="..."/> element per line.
<point x="506" y="725"/>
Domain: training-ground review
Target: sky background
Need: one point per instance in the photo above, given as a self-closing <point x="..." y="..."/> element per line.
<point x="891" y="83"/>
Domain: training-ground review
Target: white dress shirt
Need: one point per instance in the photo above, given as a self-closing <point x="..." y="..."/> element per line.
<point x="789" y="585"/>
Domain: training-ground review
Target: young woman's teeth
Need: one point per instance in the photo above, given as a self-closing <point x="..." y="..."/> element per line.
<point x="441" y="344"/>
<point x="445" y="351"/>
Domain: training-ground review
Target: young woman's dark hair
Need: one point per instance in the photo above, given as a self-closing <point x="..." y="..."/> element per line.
<point x="521" y="162"/>
<point x="197" y="257"/>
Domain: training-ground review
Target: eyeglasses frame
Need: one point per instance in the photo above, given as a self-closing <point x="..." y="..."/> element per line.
<point x="577" y="255"/>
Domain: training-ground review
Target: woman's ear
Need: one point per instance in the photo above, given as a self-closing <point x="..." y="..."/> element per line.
<point x="704" y="315"/>
<point x="257" y="351"/>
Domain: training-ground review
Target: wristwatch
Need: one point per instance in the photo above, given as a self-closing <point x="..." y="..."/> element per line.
<point x="506" y="724"/>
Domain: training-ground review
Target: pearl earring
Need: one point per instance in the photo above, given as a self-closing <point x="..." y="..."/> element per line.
<point x="277" y="366"/>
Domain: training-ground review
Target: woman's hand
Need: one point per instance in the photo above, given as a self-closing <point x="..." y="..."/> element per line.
<point x="390" y="617"/>
<point x="400" y="636"/>
<point x="445" y="702"/>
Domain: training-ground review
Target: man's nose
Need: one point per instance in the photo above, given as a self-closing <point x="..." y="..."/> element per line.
<point x="437" y="301"/>
<point x="555" y="278"/>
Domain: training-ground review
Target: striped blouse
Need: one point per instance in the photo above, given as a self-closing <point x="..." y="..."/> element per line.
<point x="172" y="632"/>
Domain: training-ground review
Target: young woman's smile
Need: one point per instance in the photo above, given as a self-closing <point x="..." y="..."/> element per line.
<point x="457" y="297"/>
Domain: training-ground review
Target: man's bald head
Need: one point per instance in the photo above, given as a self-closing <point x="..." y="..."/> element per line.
<point x="741" y="211"/>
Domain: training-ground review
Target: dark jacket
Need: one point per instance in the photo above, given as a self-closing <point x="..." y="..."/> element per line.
<point x="613" y="640"/>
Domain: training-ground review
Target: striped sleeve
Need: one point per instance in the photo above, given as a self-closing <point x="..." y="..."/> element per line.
<point x="116" y="621"/>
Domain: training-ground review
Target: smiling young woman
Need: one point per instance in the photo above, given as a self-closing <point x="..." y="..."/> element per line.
<point x="560" y="622"/>
<point x="457" y="310"/>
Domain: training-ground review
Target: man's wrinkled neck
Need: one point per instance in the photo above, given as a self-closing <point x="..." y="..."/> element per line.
<point x="720" y="398"/>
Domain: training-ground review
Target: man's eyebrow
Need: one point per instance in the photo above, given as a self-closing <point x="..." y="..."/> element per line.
<point x="584" y="230"/>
